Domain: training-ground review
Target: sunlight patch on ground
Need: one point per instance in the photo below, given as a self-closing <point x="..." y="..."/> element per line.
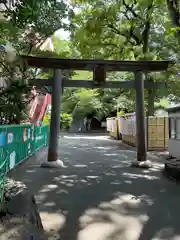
<point x="110" y="173"/>
<point x="31" y="171"/>
<point x="124" y="201"/>
<point x="62" y="191"/>
<point x="106" y="138"/>
<point x="96" y="231"/>
<point x="42" y="193"/>
<point x="116" y="182"/>
<point x="128" y="181"/>
<point x="166" y="233"/>
<point x="40" y="197"/>
<point x="49" y="204"/>
<point x="118" y="227"/>
<point x="104" y="148"/>
<point x="92" y="177"/>
<point x="157" y="167"/>
<point x="114" y="219"/>
<point x="80" y="166"/>
<point x="117" y="166"/>
<point x="48" y="188"/>
<point x="135" y="176"/>
<point x="68" y="176"/>
<point x="128" y="199"/>
<point x="111" y="154"/>
<point x="64" y="177"/>
<point x="52" y="223"/>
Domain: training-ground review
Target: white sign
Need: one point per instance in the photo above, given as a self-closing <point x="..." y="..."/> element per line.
<point x="10" y="138"/>
<point x="29" y="133"/>
<point x="32" y="137"/>
<point x="128" y="126"/>
<point x="103" y="124"/>
<point x="12" y="159"/>
<point x="39" y="138"/>
<point x="29" y="148"/>
<point x="114" y="126"/>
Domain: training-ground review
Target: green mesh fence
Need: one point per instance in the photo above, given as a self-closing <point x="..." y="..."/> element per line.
<point x="41" y="136"/>
<point x="17" y="143"/>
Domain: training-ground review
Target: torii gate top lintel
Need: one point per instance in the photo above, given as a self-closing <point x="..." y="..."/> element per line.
<point x="91" y="65"/>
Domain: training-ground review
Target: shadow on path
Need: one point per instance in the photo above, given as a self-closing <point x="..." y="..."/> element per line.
<point x="99" y="196"/>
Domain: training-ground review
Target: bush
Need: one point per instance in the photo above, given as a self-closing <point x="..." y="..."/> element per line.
<point x="65" y="121"/>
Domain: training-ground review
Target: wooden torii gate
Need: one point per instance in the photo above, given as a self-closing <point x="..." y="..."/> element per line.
<point x="99" y="69"/>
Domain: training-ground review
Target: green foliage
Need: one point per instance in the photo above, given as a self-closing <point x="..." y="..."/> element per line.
<point x="40" y="15"/>
<point x="65" y="121"/>
<point x="13" y="103"/>
<point x="29" y="24"/>
<point x="99" y="102"/>
<point x="62" y="47"/>
<point x="131" y="30"/>
<point x="122" y="29"/>
<point x="82" y="75"/>
<point x="81" y="102"/>
<point x="26" y="27"/>
<point x="115" y="29"/>
<point x="15" y="94"/>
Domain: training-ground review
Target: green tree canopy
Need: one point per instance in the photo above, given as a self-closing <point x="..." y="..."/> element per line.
<point x="129" y="30"/>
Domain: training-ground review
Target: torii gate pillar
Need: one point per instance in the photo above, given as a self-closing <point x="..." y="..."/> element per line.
<point x="53" y="151"/>
<point x="141" y="157"/>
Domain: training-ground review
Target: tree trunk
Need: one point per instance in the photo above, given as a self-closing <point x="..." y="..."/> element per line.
<point x="151" y="97"/>
<point x="151" y="110"/>
<point x="173" y="8"/>
<point x="146" y="33"/>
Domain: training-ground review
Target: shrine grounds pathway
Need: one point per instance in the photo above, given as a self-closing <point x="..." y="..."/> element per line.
<point x="99" y="196"/>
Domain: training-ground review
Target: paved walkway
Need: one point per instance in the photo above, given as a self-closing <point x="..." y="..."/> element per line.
<point x="99" y="196"/>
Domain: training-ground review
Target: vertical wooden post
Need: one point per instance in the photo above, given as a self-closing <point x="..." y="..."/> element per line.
<point x="55" y="116"/>
<point x="140" y="117"/>
<point x="164" y="133"/>
<point x="169" y="126"/>
<point x="147" y="133"/>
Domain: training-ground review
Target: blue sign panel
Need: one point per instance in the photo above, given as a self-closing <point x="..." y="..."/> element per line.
<point x="2" y="139"/>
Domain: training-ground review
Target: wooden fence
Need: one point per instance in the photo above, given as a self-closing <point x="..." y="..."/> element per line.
<point x="157" y="132"/>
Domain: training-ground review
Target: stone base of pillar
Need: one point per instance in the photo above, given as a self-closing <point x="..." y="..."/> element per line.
<point x="53" y="164"/>
<point x="141" y="164"/>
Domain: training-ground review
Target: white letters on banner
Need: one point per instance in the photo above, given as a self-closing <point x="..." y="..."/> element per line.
<point x="10" y="138"/>
<point x="127" y="124"/>
<point x="12" y="160"/>
<point x="114" y="125"/>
